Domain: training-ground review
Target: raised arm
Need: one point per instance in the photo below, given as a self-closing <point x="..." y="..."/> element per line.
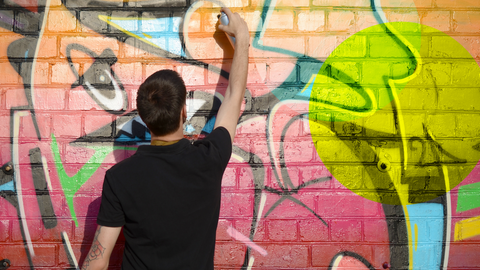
<point x="230" y="109"/>
<point x="99" y="255"/>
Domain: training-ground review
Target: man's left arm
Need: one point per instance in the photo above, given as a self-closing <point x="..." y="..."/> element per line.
<point x="103" y="243"/>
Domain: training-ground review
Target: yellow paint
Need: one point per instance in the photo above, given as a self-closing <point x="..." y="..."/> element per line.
<point x="467" y="228"/>
<point x="108" y="19"/>
<point x="416" y="236"/>
<point x="403" y="81"/>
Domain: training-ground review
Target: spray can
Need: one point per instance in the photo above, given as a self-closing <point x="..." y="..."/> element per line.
<point x="224" y="21"/>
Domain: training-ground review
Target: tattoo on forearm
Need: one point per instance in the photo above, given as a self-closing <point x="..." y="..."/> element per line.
<point x="96" y="251"/>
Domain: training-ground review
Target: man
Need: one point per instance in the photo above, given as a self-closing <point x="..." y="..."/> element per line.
<point x="167" y="195"/>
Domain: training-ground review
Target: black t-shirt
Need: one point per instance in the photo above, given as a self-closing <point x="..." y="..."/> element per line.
<point x="168" y="200"/>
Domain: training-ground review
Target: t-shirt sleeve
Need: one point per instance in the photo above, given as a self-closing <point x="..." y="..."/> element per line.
<point x="111" y="212"/>
<point x="221" y="141"/>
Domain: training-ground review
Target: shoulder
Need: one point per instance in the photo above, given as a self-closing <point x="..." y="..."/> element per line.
<point x="217" y="144"/>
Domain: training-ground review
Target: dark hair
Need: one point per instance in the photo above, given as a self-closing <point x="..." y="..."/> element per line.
<point x="160" y="101"/>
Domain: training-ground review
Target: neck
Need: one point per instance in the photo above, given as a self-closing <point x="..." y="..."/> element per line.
<point x="174" y="136"/>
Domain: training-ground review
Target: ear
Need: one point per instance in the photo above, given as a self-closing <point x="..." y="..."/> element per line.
<point x="184" y="113"/>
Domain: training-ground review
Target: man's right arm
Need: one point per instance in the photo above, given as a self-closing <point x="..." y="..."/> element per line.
<point x="103" y="243"/>
<point x="229" y="111"/>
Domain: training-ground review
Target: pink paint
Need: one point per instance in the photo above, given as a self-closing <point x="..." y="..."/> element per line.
<point x="242" y="238"/>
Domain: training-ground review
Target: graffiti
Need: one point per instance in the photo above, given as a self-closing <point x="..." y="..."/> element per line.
<point x="357" y="146"/>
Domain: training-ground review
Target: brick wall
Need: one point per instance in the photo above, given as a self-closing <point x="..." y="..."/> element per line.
<point x="358" y="144"/>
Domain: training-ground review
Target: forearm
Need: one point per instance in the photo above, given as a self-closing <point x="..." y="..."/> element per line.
<point x="238" y="72"/>
<point x="230" y="109"/>
<point x="99" y="255"/>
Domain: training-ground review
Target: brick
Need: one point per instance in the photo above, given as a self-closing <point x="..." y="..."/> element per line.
<point x="283" y="71"/>
<point x="281" y="20"/>
<point x="402" y="69"/>
<point x="464" y="99"/>
<point x="42" y="73"/>
<point x="380" y="123"/>
<point x="374" y="72"/>
<point x="466" y="21"/>
<point x="468" y="125"/>
<point x="27" y="129"/>
<point x="437" y="74"/>
<point x="4" y="132"/>
<point x="365" y="19"/>
<point x="4" y="231"/>
<point x="403" y="16"/>
<point x="79" y="100"/>
<point x="282" y="230"/>
<point x="229" y="253"/>
<point x="289" y="208"/>
<point x="293" y="3"/>
<point x="287" y="255"/>
<point x="441" y="125"/>
<point x="14" y="97"/>
<point x="419" y="98"/>
<point x="257" y="73"/>
<point x="342" y="20"/>
<point x="229" y="177"/>
<point x="439" y="20"/>
<point x="291" y="43"/>
<point x="44" y="255"/>
<point x="313" y="20"/>
<point x="456" y="4"/>
<point x="246" y="177"/>
<point x="34" y="227"/>
<point x="95" y="123"/>
<point x="445" y="47"/>
<point x="10" y="76"/>
<point x="95" y="43"/>
<point x="7" y="17"/>
<point x="88" y="16"/>
<point x="62" y="74"/>
<point x="466" y="74"/>
<point x="244" y="226"/>
<point x="192" y="75"/>
<point x="313" y="230"/>
<point x="67" y="125"/>
<point x="49" y="98"/>
<point x="61" y="21"/>
<point x="6" y="40"/>
<point x="343" y="205"/>
<point x="346" y="230"/>
<point x="342" y="3"/>
<point x="129" y="73"/>
<point x="321" y="46"/>
<point x="414" y="124"/>
<point x="354" y="47"/>
<point x="386" y="46"/>
<point x="471" y="44"/>
<point x="375" y="231"/>
<point x="223" y="225"/>
<point x="236" y="3"/>
<point x="236" y="205"/>
<point x="345" y="72"/>
<point x="323" y="254"/>
<point x="205" y="47"/>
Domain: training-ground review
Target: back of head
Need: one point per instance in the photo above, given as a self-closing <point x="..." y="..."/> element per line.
<point x="160" y="101"/>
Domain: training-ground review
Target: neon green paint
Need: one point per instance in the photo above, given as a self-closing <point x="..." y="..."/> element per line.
<point x="468" y="197"/>
<point x="71" y="184"/>
<point x="395" y="96"/>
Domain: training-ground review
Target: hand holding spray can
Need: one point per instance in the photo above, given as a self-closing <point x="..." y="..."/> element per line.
<point x="224" y="21"/>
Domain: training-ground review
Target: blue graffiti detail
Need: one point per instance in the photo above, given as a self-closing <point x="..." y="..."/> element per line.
<point x="160" y="32"/>
<point x="427" y="238"/>
<point x="7" y="186"/>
